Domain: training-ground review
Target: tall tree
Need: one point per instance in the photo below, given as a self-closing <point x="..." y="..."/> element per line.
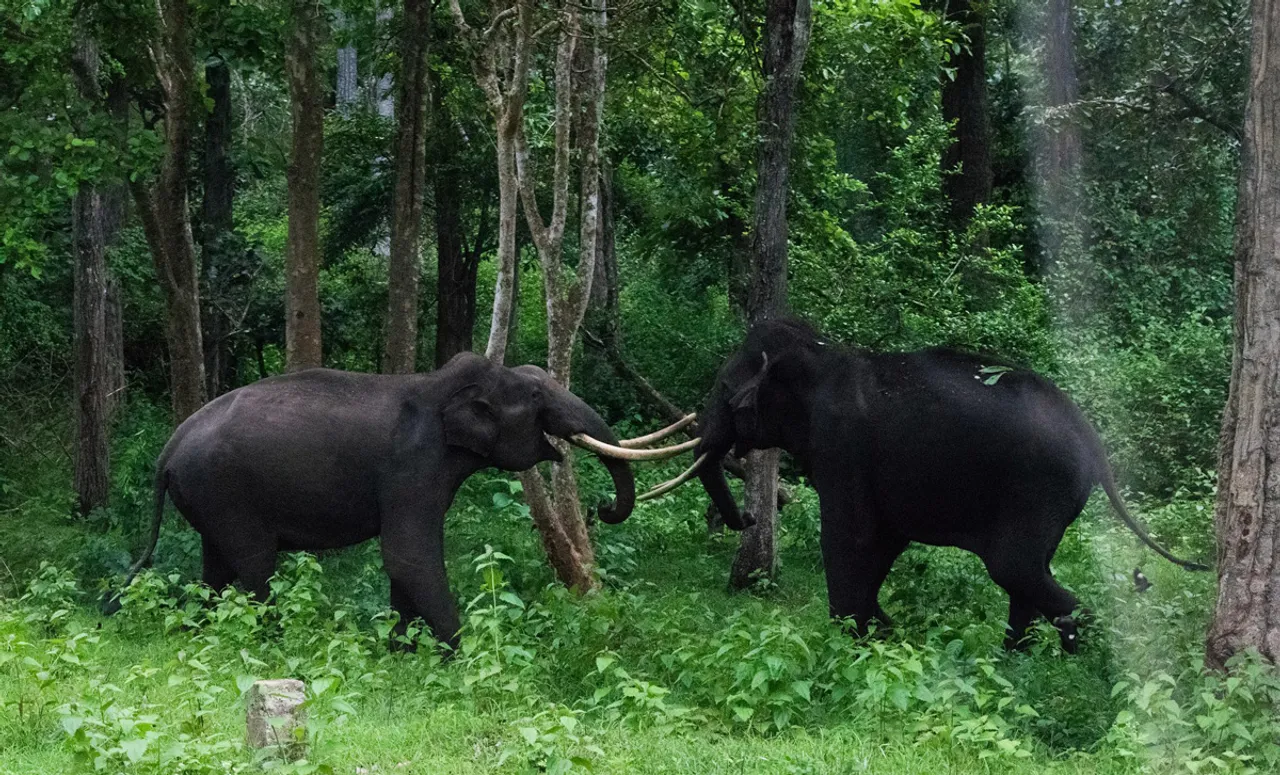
<point x="90" y="214"/>
<point x="786" y="41"/>
<point x="579" y="106"/>
<point x="964" y="102"/>
<point x="1248" y="509"/>
<point x="505" y="47"/>
<point x="500" y="56"/>
<point x="302" y="253"/>
<point x="216" y="232"/>
<point x="404" y="264"/>
<point x="1060" y="144"/>
<point x="163" y="208"/>
<point x="457" y="263"/>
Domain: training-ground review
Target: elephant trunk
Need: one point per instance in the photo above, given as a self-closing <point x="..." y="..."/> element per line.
<point x="716" y="426"/>
<point x="569" y="416"/>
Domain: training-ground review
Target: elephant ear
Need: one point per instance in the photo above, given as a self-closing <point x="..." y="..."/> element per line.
<point x="746" y="402"/>
<point x="470" y="421"/>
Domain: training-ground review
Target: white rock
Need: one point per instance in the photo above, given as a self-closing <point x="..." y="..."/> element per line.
<point x="275" y="717"/>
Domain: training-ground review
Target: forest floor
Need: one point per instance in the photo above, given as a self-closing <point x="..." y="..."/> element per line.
<point x="661" y="671"/>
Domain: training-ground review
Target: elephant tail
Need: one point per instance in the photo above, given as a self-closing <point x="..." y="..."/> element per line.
<point x="1108" y="482"/>
<point x="112" y="602"/>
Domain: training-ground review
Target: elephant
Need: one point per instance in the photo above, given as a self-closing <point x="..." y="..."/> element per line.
<point x="319" y="459"/>
<point x="937" y="446"/>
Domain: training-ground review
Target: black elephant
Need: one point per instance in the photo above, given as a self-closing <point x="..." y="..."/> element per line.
<point x="320" y="459"/>
<point x="936" y="446"/>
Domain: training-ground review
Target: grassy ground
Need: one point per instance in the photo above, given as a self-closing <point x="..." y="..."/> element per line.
<point x="661" y="671"/>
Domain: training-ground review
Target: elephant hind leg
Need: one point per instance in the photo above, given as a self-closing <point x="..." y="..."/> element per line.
<point x="249" y="556"/>
<point x="218" y="573"/>
<point x="1031" y="586"/>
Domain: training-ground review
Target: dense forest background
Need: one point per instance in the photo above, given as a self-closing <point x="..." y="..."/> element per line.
<point x="1053" y="182"/>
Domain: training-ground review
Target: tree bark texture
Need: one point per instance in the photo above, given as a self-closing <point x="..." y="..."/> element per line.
<point x="1061" y="150"/>
<point x="302" y="252"/>
<point x="787" y="28"/>
<point x="163" y="210"/>
<point x="1247" y="516"/>
<point x="115" y="199"/>
<point x="456" y="266"/>
<point x="579" y="104"/>
<point x="964" y="102"/>
<point x="92" y="385"/>
<point x="216" y="235"/>
<point x="405" y="262"/>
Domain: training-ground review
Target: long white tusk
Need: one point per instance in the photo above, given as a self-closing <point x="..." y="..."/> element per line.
<point x="670" y="485"/>
<point x="644" y="441"/>
<point x="622" y="453"/>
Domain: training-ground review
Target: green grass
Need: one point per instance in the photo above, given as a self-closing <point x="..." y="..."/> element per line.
<point x="661" y="671"/>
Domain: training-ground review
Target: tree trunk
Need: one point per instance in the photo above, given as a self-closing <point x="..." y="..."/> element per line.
<point x="964" y="102"/>
<point x="115" y="198"/>
<point x="302" y="251"/>
<point x="162" y="208"/>
<point x="456" y="267"/>
<point x="92" y="381"/>
<point x="216" y="236"/>
<point x="787" y="27"/>
<point x="1247" y="517"/>
<point x="405" y="263"/>
<point x="508" y="195"/>
<point x="1061" y="148"/>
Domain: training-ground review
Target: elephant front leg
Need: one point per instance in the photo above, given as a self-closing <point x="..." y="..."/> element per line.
<point x="856" y="560"/>
<point x="414" y="559"/>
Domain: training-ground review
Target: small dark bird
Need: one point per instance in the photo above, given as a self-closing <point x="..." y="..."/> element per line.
<point x="1140" y="582"/>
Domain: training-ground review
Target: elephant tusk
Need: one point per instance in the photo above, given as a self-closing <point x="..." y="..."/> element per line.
<point x="622" y="453"/>
<point x="670" y="485"/>
<point x="644" y="441"/>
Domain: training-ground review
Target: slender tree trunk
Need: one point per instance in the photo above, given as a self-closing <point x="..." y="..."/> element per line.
<point x="457" y="267"/>
<point x="1061" y="148"/>
<point x="405" y="263"/>
<point x="1247" y="517"/>
<point x="508" y="195"/>
<point x="115" y="199"/>
<point x="302" y="251"/>
<point x="92" y="379"/>
<point x="164" y="213"/>
<point x="964" y="102"/>
<point x="787" y="27"/>
<point x="115" y="350"/>
<point x="216" y="237"/>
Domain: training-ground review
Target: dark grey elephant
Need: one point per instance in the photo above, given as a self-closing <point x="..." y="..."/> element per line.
<point x="321" y="459"/>
<point x="936" y="446"/>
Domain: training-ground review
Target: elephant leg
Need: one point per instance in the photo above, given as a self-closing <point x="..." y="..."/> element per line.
<point x="1021" y="613"/>
<point x="402" y="604"/>
<point x="1026" y="579"/>
<point x="218" y="573"/>
<point x="413" y="555"/>
<point x="249" y="554"/>
<point x="856" y="567"/>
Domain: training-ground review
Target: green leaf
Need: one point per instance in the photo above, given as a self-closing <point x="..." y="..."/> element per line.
<point x="802" y="688"/>
<point x="134" y="749"/>
<point x="530" y="734"/>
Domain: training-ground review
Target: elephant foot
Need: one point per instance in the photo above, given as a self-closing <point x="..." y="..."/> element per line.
<point x="1068" y="633"/>
<point x="1016" y="642"/>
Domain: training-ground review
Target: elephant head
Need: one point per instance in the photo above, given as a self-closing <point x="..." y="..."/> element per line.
<point x="758" y="402"/>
